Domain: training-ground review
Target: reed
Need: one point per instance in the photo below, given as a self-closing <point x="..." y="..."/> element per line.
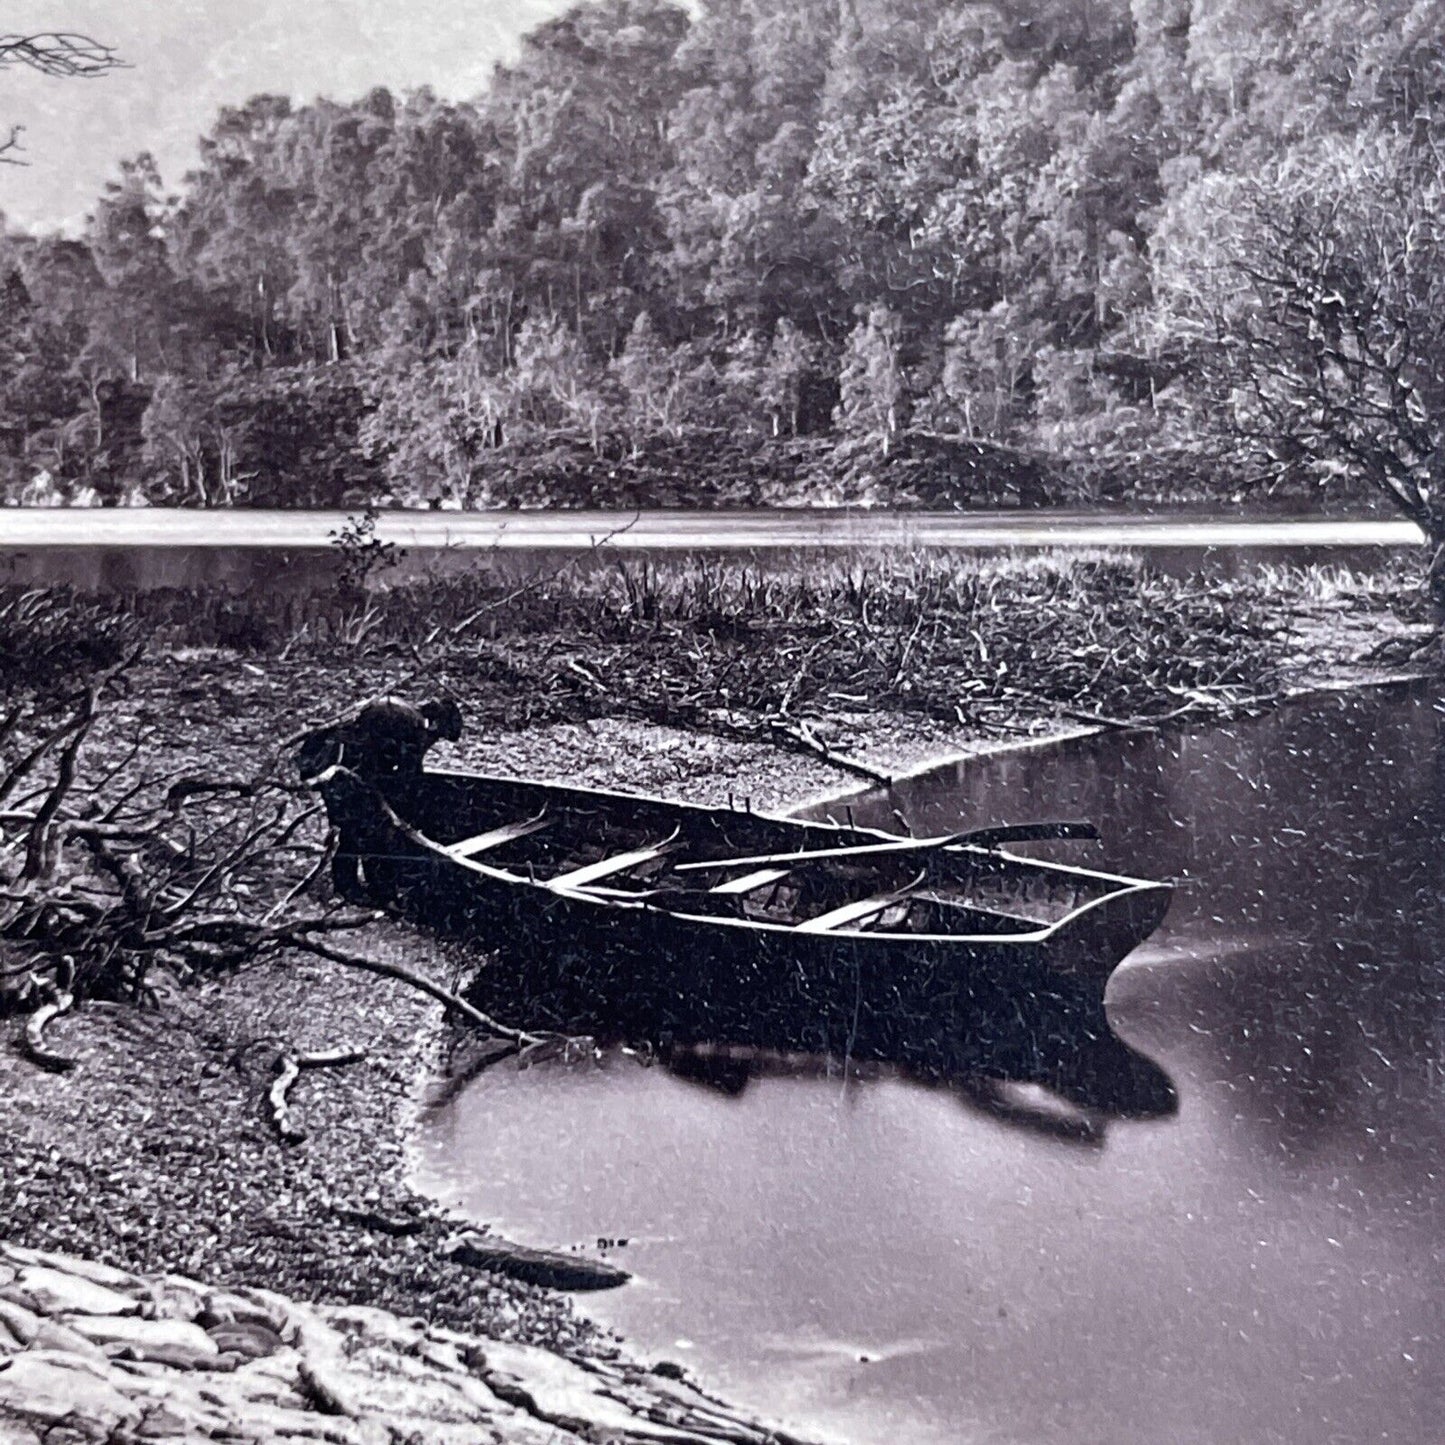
<point x="954" y="637"/>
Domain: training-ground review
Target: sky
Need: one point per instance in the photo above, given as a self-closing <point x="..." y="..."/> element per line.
<point x="190" y="57"/>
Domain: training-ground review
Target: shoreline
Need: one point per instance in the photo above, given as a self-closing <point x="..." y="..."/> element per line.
<point x="154" y="1156"/>
<point x="463" y="1309"/>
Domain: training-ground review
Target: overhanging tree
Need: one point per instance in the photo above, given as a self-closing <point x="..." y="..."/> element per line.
<point x="1311" y="298"/>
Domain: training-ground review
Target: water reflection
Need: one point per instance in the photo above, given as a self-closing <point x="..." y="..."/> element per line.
<point x="1058" y="1072"/>
<point x="1023" y="1027"/>
<point x="1253" y="1254"/>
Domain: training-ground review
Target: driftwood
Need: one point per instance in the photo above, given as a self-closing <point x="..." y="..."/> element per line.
<point x="803" y="738"/>
<point x="549" y="1268"/>
<point x="61" y="1003"/>
<point x="288" y="1070"/>
<point x="519" y="1037"/>
<point x="481" y="1055"/>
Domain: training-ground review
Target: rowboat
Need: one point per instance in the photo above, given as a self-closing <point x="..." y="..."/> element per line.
<point x="638" y="912"/>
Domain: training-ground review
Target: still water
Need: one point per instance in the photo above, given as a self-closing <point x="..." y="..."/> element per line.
<point x="1247" y="1250"/>
<point x="124" y="550"/>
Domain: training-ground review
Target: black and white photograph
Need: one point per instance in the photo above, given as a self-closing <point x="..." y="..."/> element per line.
<point x="722" y="722"/>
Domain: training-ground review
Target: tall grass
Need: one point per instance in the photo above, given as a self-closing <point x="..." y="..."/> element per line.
<point x="947" y="635"/>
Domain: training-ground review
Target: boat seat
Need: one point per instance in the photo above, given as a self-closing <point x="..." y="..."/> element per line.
<point x="495" y="837"/>
<point x="750" y="882"/>
<point x="617" y="863"/>
<point x="857" y="912"/>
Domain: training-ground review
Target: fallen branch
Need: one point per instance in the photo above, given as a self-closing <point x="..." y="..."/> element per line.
<point x="519" y="1037"/>
<point x="61" y="1003"/>
<point x="803" y="737"/>
<point x="288" y="1070"/>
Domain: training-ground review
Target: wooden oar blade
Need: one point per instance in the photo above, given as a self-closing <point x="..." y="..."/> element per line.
<point x="1043" y="832"/>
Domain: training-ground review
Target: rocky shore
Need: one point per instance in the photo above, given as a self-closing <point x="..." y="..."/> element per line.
<point x="89" y="1353"/>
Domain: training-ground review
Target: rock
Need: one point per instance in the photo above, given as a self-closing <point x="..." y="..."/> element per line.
<point x="558" y="1391"/>
<point x="375" y="1326"/>
<point x="47" y="1387"/>
<point x="174" y="1297"/>
<point x="167" y="1420"/>
<point x="166" y="1342"/>
<point x="88" y="1269"/>
<point x="50" y="1292"/>
<point x="247" y="1306"/>
<point x="53" y="1335"/>
<point x="248" y="1340"/>
<point x="324" y="1389"/>
<point x="23" y="1323"/>
<point x="442" y="1356"/>
<point x="268" y="1370"/>
<point x="548" y="1268"/>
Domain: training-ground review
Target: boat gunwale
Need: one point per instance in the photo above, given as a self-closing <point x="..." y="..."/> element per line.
<point x="706" y="810"/>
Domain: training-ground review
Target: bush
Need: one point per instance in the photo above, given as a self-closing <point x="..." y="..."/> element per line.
<point x="49" y="639"/>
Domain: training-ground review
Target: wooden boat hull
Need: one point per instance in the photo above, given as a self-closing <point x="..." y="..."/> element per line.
<point x="629" y="967"/>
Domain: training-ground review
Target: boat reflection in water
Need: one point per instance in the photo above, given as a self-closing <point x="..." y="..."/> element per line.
<point x="1045" y="1060"/>
<point x="1066" y="1082"/>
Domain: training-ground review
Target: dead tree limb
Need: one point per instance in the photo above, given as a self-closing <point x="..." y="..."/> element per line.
<point x="520" y="1037"/>
<point x="803" y="738"/>
<point x="288" y="1069"/>
<point x="60" y="54"/>
<point x="61" y="1003"/>
<point x="40" y="857"/>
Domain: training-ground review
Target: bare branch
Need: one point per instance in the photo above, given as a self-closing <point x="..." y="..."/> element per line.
<point x="61" y="54"/>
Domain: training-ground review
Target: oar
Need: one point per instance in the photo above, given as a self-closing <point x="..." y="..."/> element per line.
<point x="977" y="837"/>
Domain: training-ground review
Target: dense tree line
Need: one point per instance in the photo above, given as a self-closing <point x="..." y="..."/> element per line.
<point x="823" y="249"/>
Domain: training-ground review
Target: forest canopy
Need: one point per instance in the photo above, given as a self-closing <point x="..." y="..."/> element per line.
<point x="879" y="251"/>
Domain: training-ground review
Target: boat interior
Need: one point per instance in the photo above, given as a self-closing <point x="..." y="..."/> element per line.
<point x="739" y="865"/>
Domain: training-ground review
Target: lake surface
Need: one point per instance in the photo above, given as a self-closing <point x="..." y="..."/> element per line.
<point x="121" y="550"/>
<point x="1247" y="1250"/>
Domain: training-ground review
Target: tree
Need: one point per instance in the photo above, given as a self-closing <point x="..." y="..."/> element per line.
<point x="871" y="381"/>
<point x="1312" y="300"/>
<point x="555" y="383"/>
<point x="433" y="423"/>
<point x="988" y="369"/>
<point x="782" y="375"/>
<point x="654" y="382"/>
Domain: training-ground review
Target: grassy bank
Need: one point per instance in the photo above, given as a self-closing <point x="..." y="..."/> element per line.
<point x="947" y="639"/>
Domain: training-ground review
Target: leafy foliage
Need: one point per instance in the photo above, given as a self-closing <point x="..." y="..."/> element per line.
<point x="852" y="223"/>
